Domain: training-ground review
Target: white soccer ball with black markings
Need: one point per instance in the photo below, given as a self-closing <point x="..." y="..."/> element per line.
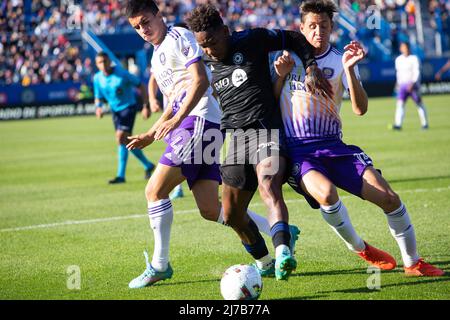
<point x="241" y="282"/>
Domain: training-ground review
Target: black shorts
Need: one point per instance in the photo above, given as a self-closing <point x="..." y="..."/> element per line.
<point x="245" y="149"/>
<point x="124" y="120"/>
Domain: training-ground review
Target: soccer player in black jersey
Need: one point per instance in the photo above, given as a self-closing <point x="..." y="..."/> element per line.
<point x="241" y="78"/>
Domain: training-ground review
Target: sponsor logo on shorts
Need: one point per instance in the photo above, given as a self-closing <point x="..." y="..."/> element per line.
<point x="363" y="158"/>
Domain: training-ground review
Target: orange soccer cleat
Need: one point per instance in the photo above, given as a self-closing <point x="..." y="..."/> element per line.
<point x="423" y="269"/>
<point x="378" y="258"/>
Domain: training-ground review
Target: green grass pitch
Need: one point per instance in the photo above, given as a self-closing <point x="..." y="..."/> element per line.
<point x="57" y="211"/>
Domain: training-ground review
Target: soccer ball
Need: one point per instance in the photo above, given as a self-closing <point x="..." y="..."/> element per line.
<point x="241" y="282"/>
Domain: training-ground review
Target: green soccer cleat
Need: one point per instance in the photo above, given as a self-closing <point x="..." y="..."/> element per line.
<point x="150" y="276"/>
<point x="284" y="265"/>
<point x="295" y="232"/>
<point x="266" y="273"/>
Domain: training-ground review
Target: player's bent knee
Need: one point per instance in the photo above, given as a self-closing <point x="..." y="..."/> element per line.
<point x="233" y="219"/>
<point x="391" y="201"/>
<point x="210" y="214"/>
<point x="327" y="195"/>
<point x="153" y="194"/>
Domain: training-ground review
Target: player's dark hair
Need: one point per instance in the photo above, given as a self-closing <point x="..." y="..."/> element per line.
<point x="204" y="17"/>
<point x="318" y="6"/>
<point x="181" y="25"/>
<point x="135" y="7"/>
<point x="103" y="54"/>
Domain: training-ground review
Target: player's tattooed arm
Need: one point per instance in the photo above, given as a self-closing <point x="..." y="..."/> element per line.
<point x="283" y="65"/>
<point x="354" y="53"/>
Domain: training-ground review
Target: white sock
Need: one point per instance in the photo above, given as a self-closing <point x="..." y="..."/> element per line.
<point x="265" y="262"/>
<point x="403" y="232"/>
<point x="337" y="217"/>
<point x="399" y="113"/>
<point x="220" y="218"/>
<point x="260" y="221"/>
<point x="422" y="114"/>
<point x="161" y="216"/>
<point x="282" y="248"/>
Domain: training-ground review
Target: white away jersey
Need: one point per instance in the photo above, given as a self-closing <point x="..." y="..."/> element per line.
<point x="306" y="116"/>
<point x="169" y="64"/>
<point x="408" y="69"/>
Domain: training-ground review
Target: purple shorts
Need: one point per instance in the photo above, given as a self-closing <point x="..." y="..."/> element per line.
<point x="403" y="93"/>
<point x="343" y="164"/>
<point x="186" y="149"/>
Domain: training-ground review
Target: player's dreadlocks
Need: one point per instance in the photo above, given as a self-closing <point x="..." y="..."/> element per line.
<point x="204" y="17"/>
<point x="318" y="6"/>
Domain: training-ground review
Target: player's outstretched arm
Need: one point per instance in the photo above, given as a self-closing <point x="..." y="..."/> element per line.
<point x="283" y="65"/>
<point x="143" y="140"/>
<point x="353" y="54"/>
<point x="199" y="86"/>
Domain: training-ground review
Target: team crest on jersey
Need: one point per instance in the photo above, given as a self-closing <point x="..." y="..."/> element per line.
<point x="328" y="72"/>
<point x="238" y="58"/>
<point x="162" y="58"/>
<point x="186" y="50"/>
<point x="238" y="77"/>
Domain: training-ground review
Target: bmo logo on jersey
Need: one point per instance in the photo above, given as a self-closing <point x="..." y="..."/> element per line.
<point x="221" y="84"/>
<point x="238" y="77"/>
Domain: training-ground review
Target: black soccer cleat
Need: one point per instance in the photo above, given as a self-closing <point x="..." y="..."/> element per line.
<point x="117" y="180"/>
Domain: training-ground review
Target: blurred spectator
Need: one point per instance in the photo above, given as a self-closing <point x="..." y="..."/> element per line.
<point x="35" y="45"/>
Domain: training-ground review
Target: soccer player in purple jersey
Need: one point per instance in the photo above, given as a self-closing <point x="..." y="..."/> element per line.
<point x="321" y="160"/>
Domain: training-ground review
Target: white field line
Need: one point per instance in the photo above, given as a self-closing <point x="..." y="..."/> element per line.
<point x="138" y="216"/>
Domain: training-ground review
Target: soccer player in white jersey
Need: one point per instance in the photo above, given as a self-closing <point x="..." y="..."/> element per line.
<point x="321" y="160"/>
<point x="183" y="78"/>
<point x="155" y="106"/>
<point x="407" y="68"/>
